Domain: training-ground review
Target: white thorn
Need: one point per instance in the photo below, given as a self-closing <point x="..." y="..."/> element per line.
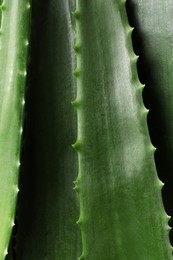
<point x="5" y="252"/>
<point x="16" y="188"/>
<point x="161" y="183"/>
<point x="12" y="223"/>
<point x="23" y="102"/>
<point x="21" y="130"/>
<point x="26" y="43"/>
<point x="28" y="6"/>
<point x="18" y="164"/>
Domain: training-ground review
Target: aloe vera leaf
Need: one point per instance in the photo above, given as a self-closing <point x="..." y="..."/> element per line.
<point x="153" y="25"/>
<point x="14" y="33"/>
<point x="121" y="210"/>
<point x="48" y="207"/>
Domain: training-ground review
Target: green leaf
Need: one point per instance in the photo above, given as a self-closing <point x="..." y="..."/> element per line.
<point x="121" y="210"/>
<point x="153" y="26"/>
<point x="48" y="207"/>
<point x="14" y="33"/>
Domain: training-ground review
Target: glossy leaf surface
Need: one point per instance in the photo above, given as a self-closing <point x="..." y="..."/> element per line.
<point x="153" y="27"/>
<point x="14" y="34"/>
<point x="121" y="210"/>
<point x="48" y="208"/>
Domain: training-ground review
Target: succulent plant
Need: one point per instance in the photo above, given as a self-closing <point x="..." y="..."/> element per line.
<point x="90" y="179"/>
<point x="14" y="32"/>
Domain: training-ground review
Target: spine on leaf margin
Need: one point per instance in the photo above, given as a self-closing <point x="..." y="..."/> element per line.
<point x="121" y="209"/>
<point x="47" y="228"/>
<point x="14" y="40"/>
<point x="153" y="29"/>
